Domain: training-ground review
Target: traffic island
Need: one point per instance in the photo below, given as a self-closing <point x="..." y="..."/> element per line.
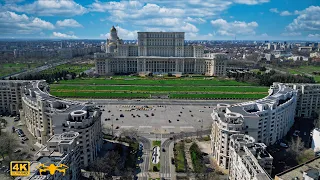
<point x="155" y="156"/>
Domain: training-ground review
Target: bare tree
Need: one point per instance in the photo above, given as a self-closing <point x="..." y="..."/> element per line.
<point x="107" y="166"/>
<point x="296" y="146"/>
<point x="107" y="130"/>
<point x="7" y="145"/>
<point x="132" y="133"/>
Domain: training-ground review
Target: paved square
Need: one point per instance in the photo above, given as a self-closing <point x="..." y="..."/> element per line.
<point x="155" y="118"/>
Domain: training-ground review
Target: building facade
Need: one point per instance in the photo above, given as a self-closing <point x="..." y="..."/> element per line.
<point x="248" y="160"/>
<point x="266" y="120"/>
<point x="157" y="52"/>
<point x="46" y="115"/>
<point x="60" y="149"/>
<point x="10" y="96"/>
<point x="308" y="101"/>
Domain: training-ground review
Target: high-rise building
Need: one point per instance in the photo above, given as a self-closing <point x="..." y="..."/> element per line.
<point x="46" y="115"/>
<point x="266" y="120"/>
<point x="10" y="96"/>
<point x="308" y="101"/>
<point x="157" y="52"/>
<point x="248" y="160"/>
<point x="61" y="150"/>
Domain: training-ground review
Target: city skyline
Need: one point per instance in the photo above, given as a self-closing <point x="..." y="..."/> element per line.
<point x="200" y="20"/>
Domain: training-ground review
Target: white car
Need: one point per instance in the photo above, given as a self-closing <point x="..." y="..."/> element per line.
<point x="284" y="145"/>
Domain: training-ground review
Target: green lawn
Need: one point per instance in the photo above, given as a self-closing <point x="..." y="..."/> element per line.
<point x="156" y="143"/>
<point x="217" y="96"/>
<point x="10" y="68"/>
<point x="76" y="68"/>
<point x="307" y="70"/>
<point x="57" y="87"/>
<point x="99" y="95"/>
<point x="179" y="157"/>
<point x="197" y="159"/>
<point x="144" y="81"/>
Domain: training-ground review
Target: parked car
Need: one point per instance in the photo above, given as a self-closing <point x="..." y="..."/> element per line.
<point x="17" y="150"/>
<point x="121" y="115"/>
<point x="284" y="145"/>
<point x="172" y="160"/>
<point x="169" y="121"/>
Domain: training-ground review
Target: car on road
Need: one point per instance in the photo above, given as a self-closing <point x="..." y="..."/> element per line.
<point x="121" y="115"/>
<point x="284" y="145"/>
<point x="296" y="133"/>
<point x="117" y="127"/>
<point x="169" y="121"/>
<point x="178" y="120"/>
<point x="152" y="114"/>
<point x="172" y="160"/>
<point x="17" y="150"/>
<point x="190" y="111"/>
<point x="117" y="119"/>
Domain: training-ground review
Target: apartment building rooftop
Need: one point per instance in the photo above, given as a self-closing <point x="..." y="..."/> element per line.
<point x="310" y="168"/>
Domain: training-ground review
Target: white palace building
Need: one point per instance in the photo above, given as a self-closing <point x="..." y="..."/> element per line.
<point x="157" y="52"/>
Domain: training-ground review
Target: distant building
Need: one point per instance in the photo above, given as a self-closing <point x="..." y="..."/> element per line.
<point x="315" y="55"/>
<point x="248" y="160"/>
<point x="157" y="52"/>
<point x="308" y="49"/>
<point x="306" y="171"/>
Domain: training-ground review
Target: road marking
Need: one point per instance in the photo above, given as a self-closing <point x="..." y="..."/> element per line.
<point x="168" y="127"/>
<point x="186" y="127"/>
<point x="126" y="126"/>
<point x="145" y="126"/>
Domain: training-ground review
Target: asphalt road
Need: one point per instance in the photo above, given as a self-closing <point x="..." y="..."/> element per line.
<point x="165" y="159"/>
<point x="159" y="102"/>
<point x="144" y="166"/>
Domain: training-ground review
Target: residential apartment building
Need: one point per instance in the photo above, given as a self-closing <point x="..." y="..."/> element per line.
<point x="308" y="101"/>
<point x="266" y="120"/>
<point x="157" y="52"/>
<point x="10" y="96"/>
<point x="307" y="171"/>
<point x="61" y="150"/>
<point x="248" y="160"/>
<point x="46" y="115"/>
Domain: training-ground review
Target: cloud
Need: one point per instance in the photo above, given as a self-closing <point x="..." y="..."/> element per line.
<point x="308" y="20"/>
<point x="49" y="8"/>
<point x="274" y="10"/>
<point x="123" y="34"/>
<point x="233" y="28"/>
<point x="196" y="20"/>
<point x="251" y="2"/>
<point x="68" y="23"/>
<point x="63" y="36"/>
<point x="291" y="34"/>
<point x="285" y="13"/>
<point x="196" y="36"/>
<point x="12" y="23"/>
<point x="314" y="35"/>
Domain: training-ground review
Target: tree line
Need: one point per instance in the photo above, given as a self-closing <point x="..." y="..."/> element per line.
<point x="267" y="79"/>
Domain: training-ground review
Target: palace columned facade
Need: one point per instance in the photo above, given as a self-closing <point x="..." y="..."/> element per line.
<point x="158" y="52"/>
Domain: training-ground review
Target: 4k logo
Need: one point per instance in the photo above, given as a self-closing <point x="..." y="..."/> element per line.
<point x="20" y="168"/>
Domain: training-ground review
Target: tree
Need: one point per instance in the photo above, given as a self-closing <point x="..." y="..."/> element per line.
<point x="7" y="145"/>
<point x="296" y="146"/>
<point x="305" y="156"/>
<point x="107" y="166"/>
<point x="132" y="133"/>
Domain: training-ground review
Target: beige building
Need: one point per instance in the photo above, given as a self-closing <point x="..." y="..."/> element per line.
<point x="10" y="96"/>
<point x="266" y="120"/>
<point x="308" y="101"/>
<point x="60" y="149"/>
<point x="158" y="52"/>
<point x="307" y="171"/>
<point x="46" y="115"/>
<point x="248" y="160"/>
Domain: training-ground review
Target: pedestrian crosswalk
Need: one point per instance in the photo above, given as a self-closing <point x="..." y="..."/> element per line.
<point x="145" y="174"/>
